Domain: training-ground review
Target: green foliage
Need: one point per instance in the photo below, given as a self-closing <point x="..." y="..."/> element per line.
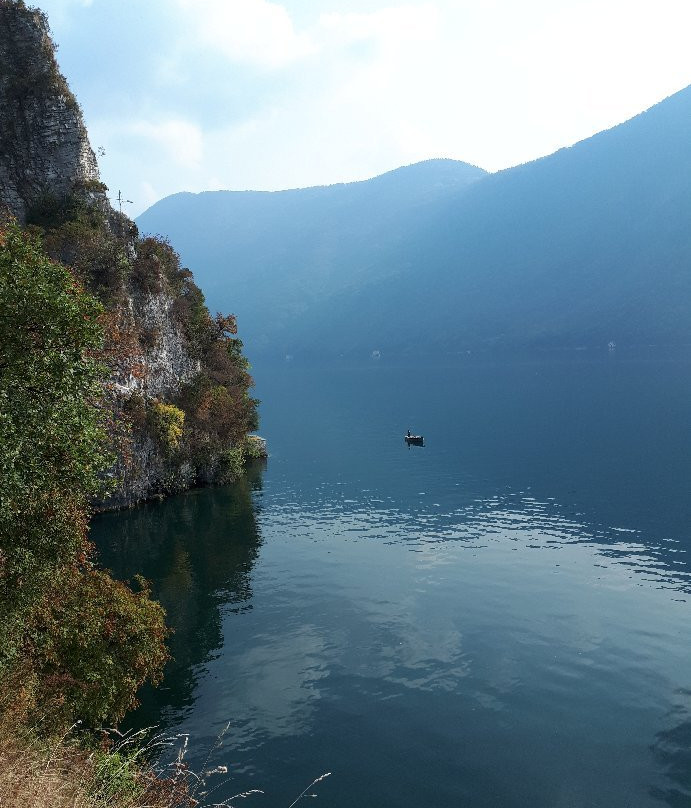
<point x="190" y="310"/>
<point x="215" y="411"/>
<point x="116" y="775"/>
<point x="92" y="186"/>
<point x="51" y="212"/>
<point x="218" y="416"/>
<point x="149" y="267"/>
<point x="231" y="464"/>
<point x="95" y="642"/>
<point x="74" y="232"/>
<point x="218" y="401"/>
<point x="253" y="448"/>
<point x="167" y="422"/>
<point x="72" y="640"/>
<point x="52" y="441"/>
<point x="218" y="410"/>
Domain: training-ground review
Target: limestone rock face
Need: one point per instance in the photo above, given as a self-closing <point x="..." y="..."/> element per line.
<point x="160" y="338"/>
<point x="159" y="369"/>
<point x="44" y="147"/>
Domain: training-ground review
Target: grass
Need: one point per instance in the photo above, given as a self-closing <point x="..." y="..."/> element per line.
<point x="61" y="773"/>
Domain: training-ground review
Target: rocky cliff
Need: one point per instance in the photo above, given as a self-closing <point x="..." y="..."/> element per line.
<point x="44" y="148"/>
<point x="178" y="386"/>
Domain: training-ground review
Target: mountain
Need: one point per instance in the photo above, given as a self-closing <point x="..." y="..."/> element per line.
<point x="589" y="245"/>
<point x="287" y="252"/>
<point x="177" y="390"/>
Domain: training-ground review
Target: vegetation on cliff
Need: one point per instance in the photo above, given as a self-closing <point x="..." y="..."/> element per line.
<point x="74" y="643"/>
<point x="116" y="384"/>
<point x="163" y="349"/>
<point x="187" y="420"/>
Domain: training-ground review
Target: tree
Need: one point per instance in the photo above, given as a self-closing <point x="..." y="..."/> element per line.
<point x="53" y="448"/>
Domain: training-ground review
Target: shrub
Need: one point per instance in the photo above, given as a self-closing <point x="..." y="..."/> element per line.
<point x="231" y="463"/>
<point x="73" y="642"/>
<point x="52" y="441"/>
<point x="115" y="777"/>
<point x="167" y="422"/>
<point x="51" y="212"/>
<point x="60" y="773"/>
<point x="95" y="642"/>
<point x="134" y="409"/>
<point x="254" y="448"/>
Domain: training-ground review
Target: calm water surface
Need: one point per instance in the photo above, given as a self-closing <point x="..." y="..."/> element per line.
<point x="501" y="618"/>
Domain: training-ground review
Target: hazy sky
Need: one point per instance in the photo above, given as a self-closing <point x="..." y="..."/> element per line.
<point x="207" y="94"/>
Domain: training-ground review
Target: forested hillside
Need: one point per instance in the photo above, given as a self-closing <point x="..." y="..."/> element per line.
<point x="586" y="246"/>
<point x="288" y="253"/>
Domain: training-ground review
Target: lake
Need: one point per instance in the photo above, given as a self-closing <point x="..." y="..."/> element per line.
<point x="501" y="618"/>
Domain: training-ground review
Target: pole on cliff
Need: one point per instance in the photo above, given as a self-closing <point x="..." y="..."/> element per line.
<point x="121" y="200"/>
<point x="120" y="203"/>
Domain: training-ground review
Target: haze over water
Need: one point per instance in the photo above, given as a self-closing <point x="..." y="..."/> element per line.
<point x="500" y="618"/>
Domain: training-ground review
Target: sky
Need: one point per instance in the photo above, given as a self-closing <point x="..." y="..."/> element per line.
<point x="193" y="95"/>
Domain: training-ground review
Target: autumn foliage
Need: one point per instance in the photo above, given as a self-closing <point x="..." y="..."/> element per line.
<point x="73" y="642"/>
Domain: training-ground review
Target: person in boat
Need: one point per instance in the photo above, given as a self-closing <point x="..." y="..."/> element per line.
<point x="408" y="435"/>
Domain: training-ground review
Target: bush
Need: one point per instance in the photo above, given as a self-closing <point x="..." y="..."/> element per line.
<point x="73" y="642"/>
<point x="60" y="773"/>
<point x="254" y="448"/>
<point x="52" y="439"/>
<point x="231" y="464"/>
<point x="115" y="776"/>
<point x="95" y="642"/>
<point x="167" y="422"/>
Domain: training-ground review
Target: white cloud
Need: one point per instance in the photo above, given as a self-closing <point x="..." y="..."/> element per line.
<point x="397" y="25"/>
<point x="182" y="140"/>
<point x="266" y="95"/>
<point x="255" y="32"/>
<point x="398" y="36"/>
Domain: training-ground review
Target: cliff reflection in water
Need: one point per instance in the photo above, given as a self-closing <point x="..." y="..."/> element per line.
<point x="198" y="551"/>
<point x="672" y="748"/>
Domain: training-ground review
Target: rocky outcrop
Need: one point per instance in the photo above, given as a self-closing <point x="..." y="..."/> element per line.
<point x="44" y="148"/>
<point x="160" y="362"/>
<point x="155" y="368"/>
<point x="178" y="387"/>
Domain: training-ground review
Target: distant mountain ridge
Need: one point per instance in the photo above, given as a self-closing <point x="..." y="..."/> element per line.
<point x="589" y="245"/>
<point x="287" y="251"/>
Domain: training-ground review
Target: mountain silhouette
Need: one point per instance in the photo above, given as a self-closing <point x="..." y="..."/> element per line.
<point x="587" y="246"/>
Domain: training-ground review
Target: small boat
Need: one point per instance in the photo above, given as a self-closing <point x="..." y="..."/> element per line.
<point x="416" y="440"/>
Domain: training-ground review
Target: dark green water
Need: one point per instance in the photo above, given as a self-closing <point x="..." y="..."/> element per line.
<point x="501" y="618"/>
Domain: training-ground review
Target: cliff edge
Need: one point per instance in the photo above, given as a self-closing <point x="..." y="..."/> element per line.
<point x="179" y="387"/>
<point x="44" y="148"/>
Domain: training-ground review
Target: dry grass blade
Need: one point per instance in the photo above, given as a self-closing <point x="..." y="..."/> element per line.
<point x="60" y="774"/>
<point x="313" y="783"/>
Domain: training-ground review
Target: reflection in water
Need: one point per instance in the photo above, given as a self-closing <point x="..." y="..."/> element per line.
<point x="198" y="550"/>
<point x="275" y="684"/>
<point x="673" y="748"/>
<point x="498" y="620"/>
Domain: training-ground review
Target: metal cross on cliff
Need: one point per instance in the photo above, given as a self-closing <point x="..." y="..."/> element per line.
<point x="121" y="201"/>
